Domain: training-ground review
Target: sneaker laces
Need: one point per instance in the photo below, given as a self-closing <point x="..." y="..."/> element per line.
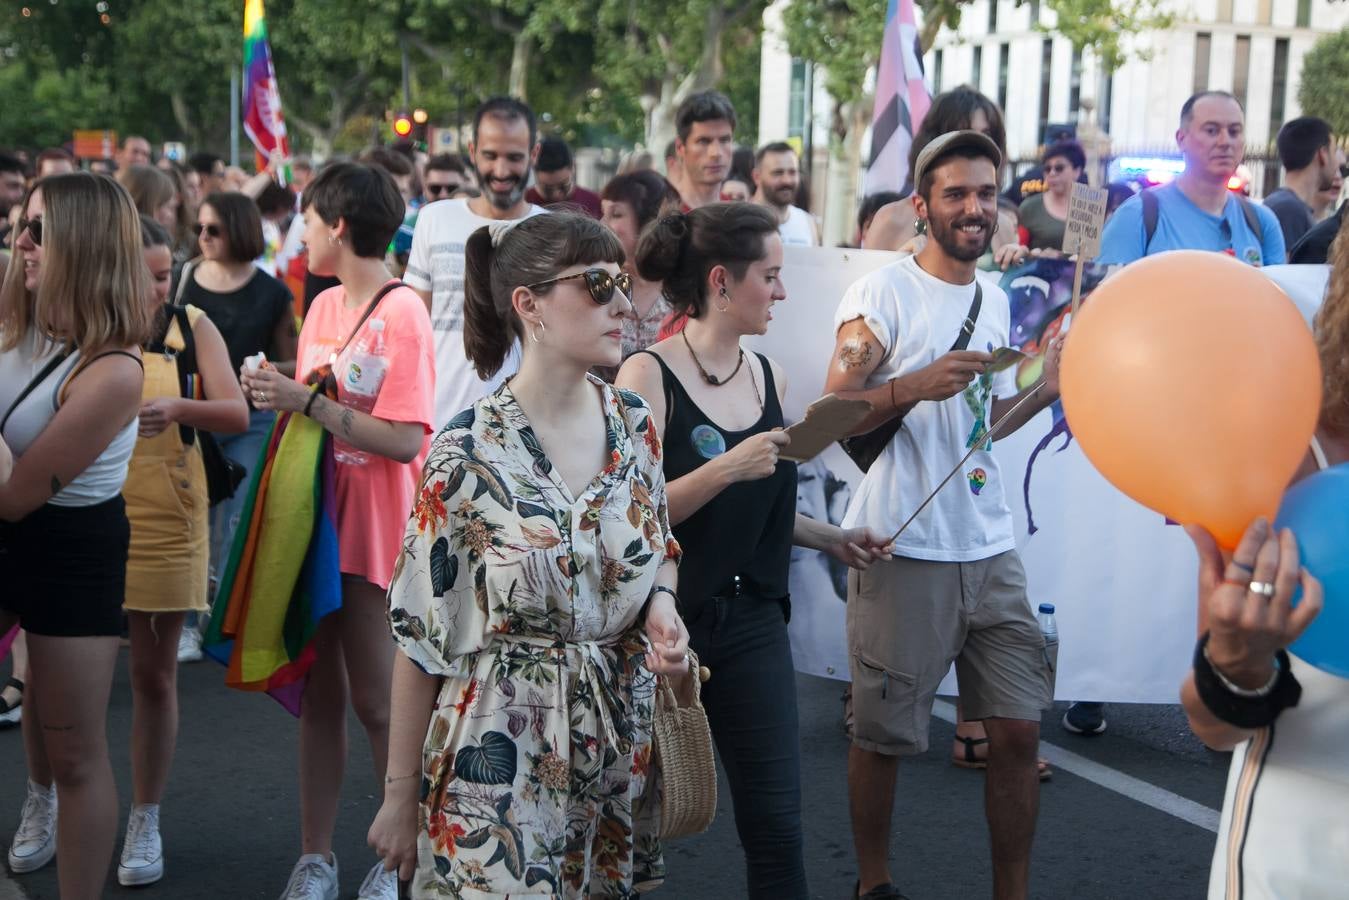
<point x="36" y="820"/>
<point x="305" y="876"/>
<point x="140" y="835"/>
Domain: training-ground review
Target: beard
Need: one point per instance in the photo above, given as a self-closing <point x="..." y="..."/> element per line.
<point x="948" y="237"/>
<point x="783" y="196"/>
<point x="503" y="199"/>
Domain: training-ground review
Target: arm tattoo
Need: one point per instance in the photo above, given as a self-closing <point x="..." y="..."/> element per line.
<point x="855" y="352"/>
<point x="348" y="417"/>
<point x="56" y="485"/>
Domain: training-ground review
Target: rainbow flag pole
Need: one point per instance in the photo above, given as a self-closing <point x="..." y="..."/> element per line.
<point x="263" y="121"/>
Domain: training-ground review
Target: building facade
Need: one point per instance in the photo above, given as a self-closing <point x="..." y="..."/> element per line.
<point x="1252" y="48"/>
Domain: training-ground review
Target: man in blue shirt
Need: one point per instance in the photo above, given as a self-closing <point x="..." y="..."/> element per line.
<point x="1197" y="211"/>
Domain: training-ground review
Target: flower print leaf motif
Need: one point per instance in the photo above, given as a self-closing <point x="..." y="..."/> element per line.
<point x="444" y="567"/>
<point x="530" y="510"/>
<point x="453" y="482"/>
<point x="541" y="538"/>
<point x="640" y="561"/>
<point x="462" y="421"/>
<point x="531" y="442"/>
<point x="480" y="588"/>
<point x="406" y="625"/>
<point x="537" y="874"/>
<point x="489" y="482"/>
<point x="633" y="549"/>
<point x="493" y="761"/>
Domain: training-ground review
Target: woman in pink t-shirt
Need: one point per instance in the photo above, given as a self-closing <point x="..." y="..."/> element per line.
<point x="380" y="428"/>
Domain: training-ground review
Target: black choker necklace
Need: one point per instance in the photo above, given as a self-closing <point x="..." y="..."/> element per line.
<point x="708" y="377"/>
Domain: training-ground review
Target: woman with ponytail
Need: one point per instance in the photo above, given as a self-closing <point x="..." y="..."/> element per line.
<point x="733" y="506"/>
<point x="534" y="600"/>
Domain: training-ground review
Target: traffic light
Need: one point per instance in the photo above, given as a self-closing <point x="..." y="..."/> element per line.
<point x="402" y="125"/>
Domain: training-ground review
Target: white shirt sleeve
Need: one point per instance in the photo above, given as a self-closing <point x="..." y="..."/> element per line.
<point x="417" y="275"/>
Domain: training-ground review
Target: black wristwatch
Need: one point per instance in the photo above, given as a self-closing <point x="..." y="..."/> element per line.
<point x="1244" y="708"/>
<point x="659" y="589"/>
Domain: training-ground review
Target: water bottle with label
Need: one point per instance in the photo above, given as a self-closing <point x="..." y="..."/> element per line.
<point x="1049" y="629"/>
<point x="359" y="383"/>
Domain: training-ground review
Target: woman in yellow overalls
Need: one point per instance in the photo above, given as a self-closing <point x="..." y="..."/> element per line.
<point x="166" y="501"/>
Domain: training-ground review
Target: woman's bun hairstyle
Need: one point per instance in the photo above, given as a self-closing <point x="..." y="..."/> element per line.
<point x="680" y="249"/>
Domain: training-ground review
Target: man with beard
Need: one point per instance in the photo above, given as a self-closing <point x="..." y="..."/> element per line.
<point x="777" y="177"/>
<point x="503" y="150"/>
<point x="955" y="589"/>
<point x="704" y="145"/>
<point x="1197" y="211"/>
<point x="1310" y="165"/>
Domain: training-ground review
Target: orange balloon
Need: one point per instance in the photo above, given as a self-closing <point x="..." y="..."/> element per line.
<point x="1193" y="384"/>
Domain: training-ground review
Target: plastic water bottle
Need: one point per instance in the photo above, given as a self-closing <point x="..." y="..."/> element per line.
<point x="1050" y="630"/>
<point x="360" y="384"/>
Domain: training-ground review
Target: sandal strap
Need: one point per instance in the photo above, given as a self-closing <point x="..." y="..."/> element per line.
<point x="970" y="743"/>
<point x="16" y="683"/>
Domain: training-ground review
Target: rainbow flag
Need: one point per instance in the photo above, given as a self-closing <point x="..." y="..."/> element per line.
<point x="902" y="100"/>
<point x="263" y="122"/>
<point x="282" y="576"/>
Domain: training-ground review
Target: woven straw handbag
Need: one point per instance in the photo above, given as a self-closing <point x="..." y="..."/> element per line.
<point x="684" y="755"/>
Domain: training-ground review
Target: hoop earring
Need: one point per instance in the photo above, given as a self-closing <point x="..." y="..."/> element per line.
<point x="334" y="241"/>
<point x="534" y="331"/>
<point x="724" y="296"/>
<point x="920" y="226"/>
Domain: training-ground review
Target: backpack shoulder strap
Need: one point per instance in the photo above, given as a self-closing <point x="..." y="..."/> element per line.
<point x="1252" y="218"/>
<point x="1150" y="213"/>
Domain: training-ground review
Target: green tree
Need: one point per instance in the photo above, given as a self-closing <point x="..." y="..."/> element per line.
<point x="1103" y="26"/>
<point x="1324" y="90"/>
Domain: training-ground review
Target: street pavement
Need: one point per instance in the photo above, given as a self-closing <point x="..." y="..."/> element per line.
<point x="1122" y="828"/>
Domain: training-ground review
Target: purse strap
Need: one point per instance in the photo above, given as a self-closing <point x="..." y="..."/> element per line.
<point x="666" y="692"/>
<point x="37" y="379"/>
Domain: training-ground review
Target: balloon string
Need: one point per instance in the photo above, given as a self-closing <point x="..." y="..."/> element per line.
<point x="987" y="436"/>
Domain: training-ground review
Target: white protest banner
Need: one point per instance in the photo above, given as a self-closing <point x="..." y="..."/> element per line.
<point x="1121" y="578"/>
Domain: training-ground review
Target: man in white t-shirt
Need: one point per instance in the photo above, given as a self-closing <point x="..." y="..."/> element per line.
<point x="777" y="178"/>
<point x="503" y="150"/>
<point x="955" y="589"/>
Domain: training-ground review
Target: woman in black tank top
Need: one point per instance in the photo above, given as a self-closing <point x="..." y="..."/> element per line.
<point x="732" y="503"/>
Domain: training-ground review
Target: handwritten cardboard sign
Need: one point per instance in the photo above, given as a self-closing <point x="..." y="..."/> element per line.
<point x="1086" y="216"/>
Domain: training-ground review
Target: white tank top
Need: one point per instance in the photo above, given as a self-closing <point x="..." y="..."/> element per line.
<point x="104" y="477"/>
<point x="798" y="229"/>
<point x="1284" y="833"/>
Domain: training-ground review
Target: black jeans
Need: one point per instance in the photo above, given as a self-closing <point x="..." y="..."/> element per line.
<point x="751" y="705"/>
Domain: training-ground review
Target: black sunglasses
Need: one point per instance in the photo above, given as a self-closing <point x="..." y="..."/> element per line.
<point x="599" y="282"/>
<point x="211" y="230"/>
<point x="1344" y="171"/>
<point x="435" y="190"/>
<point x="34" y="228"/>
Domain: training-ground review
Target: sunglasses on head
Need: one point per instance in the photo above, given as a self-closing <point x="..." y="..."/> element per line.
<point x="599" y="282"/>
<point x="34" y="228"/>
<point x="212" y="231"/>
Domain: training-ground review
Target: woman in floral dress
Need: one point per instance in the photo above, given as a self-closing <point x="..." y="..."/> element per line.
<point x="533" y="600"/>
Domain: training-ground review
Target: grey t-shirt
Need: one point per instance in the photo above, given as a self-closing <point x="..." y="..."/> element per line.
<point x="1295" y="217"/>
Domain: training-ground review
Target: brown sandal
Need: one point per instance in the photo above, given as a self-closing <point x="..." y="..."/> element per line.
<point x="967" y="758"/>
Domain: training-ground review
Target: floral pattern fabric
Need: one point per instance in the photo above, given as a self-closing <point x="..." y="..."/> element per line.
<point x="536" y="770"/>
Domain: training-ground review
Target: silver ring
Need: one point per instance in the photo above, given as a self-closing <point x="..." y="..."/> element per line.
<point x="1263" y="588"/>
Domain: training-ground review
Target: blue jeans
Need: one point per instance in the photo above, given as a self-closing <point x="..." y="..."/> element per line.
<point x="243" y="448"/>
<point x="751" y="706"/>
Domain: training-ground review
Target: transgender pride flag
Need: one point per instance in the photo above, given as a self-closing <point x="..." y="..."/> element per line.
<point x="902" y="99"/>
<point x="262" y="102"/>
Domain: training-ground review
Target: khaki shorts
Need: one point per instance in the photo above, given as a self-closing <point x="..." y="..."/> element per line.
<point x="908" y="619"/>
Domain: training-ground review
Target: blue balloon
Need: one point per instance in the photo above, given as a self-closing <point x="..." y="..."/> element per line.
<point x="1317" y="509"/>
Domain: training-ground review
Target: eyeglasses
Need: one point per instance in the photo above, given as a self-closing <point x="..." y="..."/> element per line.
<point x="435" y="190"/>
<point x="1054" y="170"/>
<point x="1344" y="171"/>
<point x="212" y="231"/>
<point x="34" y="228"/>
<point x="599" y="282"/>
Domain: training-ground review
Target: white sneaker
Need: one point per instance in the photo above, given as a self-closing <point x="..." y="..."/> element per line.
<point x="313" y="878"/>
<point x="35" y="842"/>
<point x="189" y="645"/>
<point x="379" y="885"/>
<point x="142" y="851"/>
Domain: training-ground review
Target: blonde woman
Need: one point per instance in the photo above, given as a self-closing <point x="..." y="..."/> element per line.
<point x="73" y="315"/>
